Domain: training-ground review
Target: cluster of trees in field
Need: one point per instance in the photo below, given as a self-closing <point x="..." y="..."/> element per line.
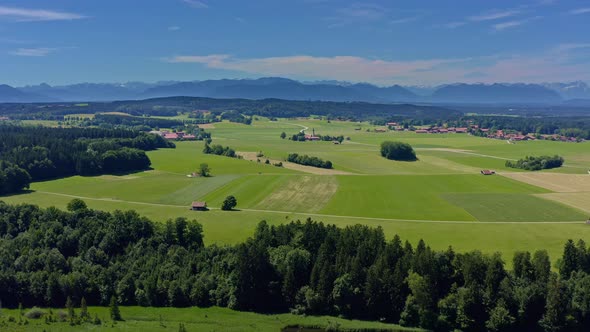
<point x="50" y="255"/>
<point x="234" y="116"/>
<point x="56" y="152"/>
<point x="531" y="163"/>
<point x="309" y="161"/>
<point x="398" y="151"/>
<point x="219" y="150"/>
<point x="300" y="137"/>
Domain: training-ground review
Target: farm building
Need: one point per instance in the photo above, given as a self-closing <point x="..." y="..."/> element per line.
<point x="199" y="206"/>
<point x="487" y="172"/>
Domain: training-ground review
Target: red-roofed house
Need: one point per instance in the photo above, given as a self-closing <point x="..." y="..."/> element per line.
<point x="460" y="130"/>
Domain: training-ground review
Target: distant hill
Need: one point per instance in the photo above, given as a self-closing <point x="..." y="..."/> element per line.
<point x="287" y="89"/>
<point x="281" y="88"/>
<point x="495" y="93"/>
<point x="89" y="91"/>
<point x="9" y="94"/>
<point x="572" y="90"/>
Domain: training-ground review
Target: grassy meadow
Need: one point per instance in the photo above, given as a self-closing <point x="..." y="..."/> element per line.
<point x="148" y="319"/>
<point x="441" y="198"/>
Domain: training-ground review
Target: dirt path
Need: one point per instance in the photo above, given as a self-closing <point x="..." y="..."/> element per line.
<point x="464" y="152"/>
<point x="298" y="125"/>
<point x="307" y="169"/>
<point x="325" y="215"/>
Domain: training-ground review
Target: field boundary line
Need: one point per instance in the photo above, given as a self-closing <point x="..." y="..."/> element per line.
<point x="324" y="215"/>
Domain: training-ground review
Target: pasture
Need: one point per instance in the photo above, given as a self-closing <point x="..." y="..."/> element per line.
<point x="441" y="198"/>
<point x="194" y="319"/>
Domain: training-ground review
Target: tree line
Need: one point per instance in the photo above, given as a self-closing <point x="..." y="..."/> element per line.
<point x="131" y="121"/>
<point x="531" y="163"/>
<point x="49" y="255"/>
<point x="300" y="137"/>
<point x="309" y="161"/>
<point x="219" y="150"/>
<point x="46" y="153"/>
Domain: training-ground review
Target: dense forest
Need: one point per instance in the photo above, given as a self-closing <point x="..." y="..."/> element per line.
<point x="306" y="267"/>
<point x="46" y="153"/>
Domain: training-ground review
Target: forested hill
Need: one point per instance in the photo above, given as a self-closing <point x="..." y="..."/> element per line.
<point x="50" y="255"/>
<point x="293" y="108"/>
<point x="38" y="153"/>
<point x="170" y="106"/>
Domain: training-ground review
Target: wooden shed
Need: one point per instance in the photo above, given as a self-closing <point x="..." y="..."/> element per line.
<point x="199" y="206"/>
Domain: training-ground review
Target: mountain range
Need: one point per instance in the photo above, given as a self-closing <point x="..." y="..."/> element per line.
<point x="282" y="88"/>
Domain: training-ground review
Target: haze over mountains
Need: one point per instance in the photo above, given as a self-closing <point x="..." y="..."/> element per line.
<point x="281" y="88"/>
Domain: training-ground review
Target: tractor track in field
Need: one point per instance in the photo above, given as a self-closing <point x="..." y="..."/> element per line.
<point x="114" y="200"/>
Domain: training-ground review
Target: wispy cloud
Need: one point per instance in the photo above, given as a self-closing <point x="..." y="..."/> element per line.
<point x="513" y="24"/>
<point x="560" y="63"/>
<point x="483" y="17"/>
<point x="580" y="11"/>
<point x="34" y="52"/>
<point x="495" y="15"/>
<point x="350" y="68"/>
<point x="357" y="13"/>
<point x="196" y="4"/>
<point x="25" y="15"/>
<point x="454" y="25"/>
<point x="405" y="19"/>
<point x="174" y="28"/>
<point x="572" y="47"/>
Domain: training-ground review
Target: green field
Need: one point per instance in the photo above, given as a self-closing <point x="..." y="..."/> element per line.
<point x="194" y="319"/>
<point x="441" y="198"/>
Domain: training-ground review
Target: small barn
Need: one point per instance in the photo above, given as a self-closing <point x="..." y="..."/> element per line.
<point x="487" y="172"/>
<point x="199" y="206"/>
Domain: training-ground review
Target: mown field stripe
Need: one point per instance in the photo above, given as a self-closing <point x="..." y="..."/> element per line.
<point x="325" y="215"/>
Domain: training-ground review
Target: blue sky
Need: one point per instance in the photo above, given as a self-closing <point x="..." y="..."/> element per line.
<point x="382" y="42"/>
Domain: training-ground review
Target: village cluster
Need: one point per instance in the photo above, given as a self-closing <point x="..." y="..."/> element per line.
<point x="484" y="132"/>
